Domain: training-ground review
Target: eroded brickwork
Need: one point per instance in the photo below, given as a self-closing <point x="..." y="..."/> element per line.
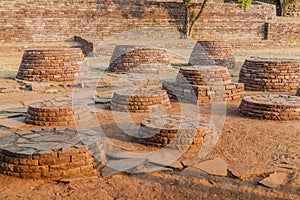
<point x="139" y="59"/>
<point x="271" y="106"/>
<point x="140" y="100"/>
<point x="273" y="75"/>
<point x="58" y="64"/>
<point x="212" y="53"/>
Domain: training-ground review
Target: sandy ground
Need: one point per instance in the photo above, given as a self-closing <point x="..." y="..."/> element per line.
<point x="252" y="149"/>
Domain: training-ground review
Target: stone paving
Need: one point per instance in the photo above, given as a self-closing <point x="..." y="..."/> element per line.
<point x="51" y="153"/>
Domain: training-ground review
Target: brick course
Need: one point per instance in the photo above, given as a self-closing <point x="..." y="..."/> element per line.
<point x="271" y="106"/>
<point x="204" y="84"/>
<point x="140" y="59"/>
<point x="273" y="75"/>
<point x="212" y="53"/>
<point x="174" y="130"/>
<point x="141" y="100"/>
<point x="51" y="153"/>
<point x="57" y="64"/>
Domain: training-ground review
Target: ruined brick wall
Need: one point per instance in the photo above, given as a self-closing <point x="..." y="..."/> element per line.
<point x="284" y="31"/>
<point x="53" y="20"/>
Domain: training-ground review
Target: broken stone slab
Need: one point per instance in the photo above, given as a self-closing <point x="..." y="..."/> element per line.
<point x="192" y="171"/>
<point x="13" y="122"/>
<point x="246" y="171"/>
<point x="124" y="165"/>
<point x="216" y="167"/>
<point x="275" y="180"/>
<point x="16" y="110"/>
<point x="11" y="115"/>
<point x="151" y="167"/>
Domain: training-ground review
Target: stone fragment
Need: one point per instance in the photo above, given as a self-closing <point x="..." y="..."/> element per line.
<point x="275" y="180"/>
<point x="216" y="166"/>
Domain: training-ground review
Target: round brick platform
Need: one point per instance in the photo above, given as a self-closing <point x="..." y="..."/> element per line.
<point x="57" y="113"/>
<point x="161" y="130"/>
<point x="51" y="153"/>
<point x="139" y="59"/>
<point x="298" y="92"/>
<point x="273" y="75"/>
<point x="141" y="100"/>
<point x="204" y="84"/>
<point x="212" y="53"/>
<point x="204" y="75"/>
<point x="57" y="64"/>
<point x="271" y="106"/>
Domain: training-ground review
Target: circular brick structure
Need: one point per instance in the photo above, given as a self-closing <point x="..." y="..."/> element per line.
<point x="163" y="129"/>
<point x="50" y="64"/>
<point x="204" y="84"/>
<point x="139" y="59"/>
<point x="272" y="75"/>
<point x="298" y="92"/>
<point x="212" y="53"/>
<point x="140" y="100"/>
<point x="51" y="153"/>
<point x="204" y="75"/>
<point x="57" y="113"/>
<point x="271" y="106"/>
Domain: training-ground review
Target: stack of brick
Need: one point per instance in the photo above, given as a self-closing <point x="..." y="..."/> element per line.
<point x="139" y="59"/>
<point x="204" y="84"/>
<point x="141" y="100"/>
<point x="57" y="64"/>
<point x="272" y="75"/>
<point x="51" y="153"/>
<point x="270" y="106"/>
<point x="57" y="113"/>
<point x="298" y="92"/>
<point x="162" y="130"/>
<point x="218" y="53"/>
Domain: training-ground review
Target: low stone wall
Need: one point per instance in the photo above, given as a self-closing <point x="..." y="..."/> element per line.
<point x="57" y="64"/>
<point x="212" y="53"/>
<point x="141" y="59"/>
<point x="202" y="84"/>
<point x="51" y="153"/>
<point x="272" y="107"/>
<point x="173" y="130"/>
<point x="142" y="100"/>
<point x="56" y="113"/>
<point x="273" y="75"/>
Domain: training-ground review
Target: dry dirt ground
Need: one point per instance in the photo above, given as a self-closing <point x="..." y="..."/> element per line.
<point x="252" y="148"/>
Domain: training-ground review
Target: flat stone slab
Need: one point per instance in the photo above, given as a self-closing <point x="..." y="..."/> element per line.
<point x="51" y="153"/>
<point x="13" y="122"/>
<point x="216" y="166"/>
<point x="275" y="180"/>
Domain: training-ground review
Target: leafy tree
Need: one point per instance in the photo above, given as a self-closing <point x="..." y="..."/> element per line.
<point x="190" y="17"/>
